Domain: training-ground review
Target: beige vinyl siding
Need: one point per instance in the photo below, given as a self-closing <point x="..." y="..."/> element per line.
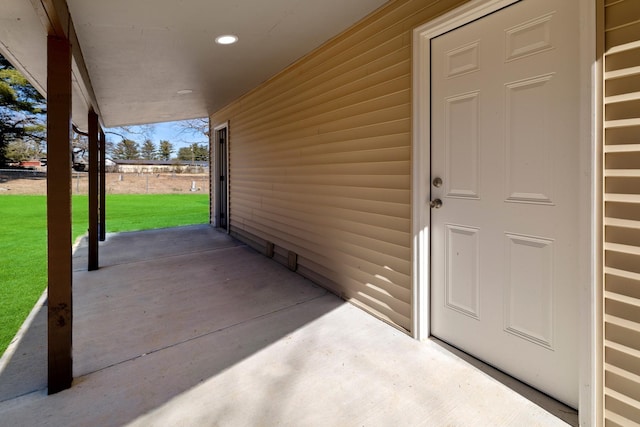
<point x="622" y="212"/>
<point x="320" y="161"/>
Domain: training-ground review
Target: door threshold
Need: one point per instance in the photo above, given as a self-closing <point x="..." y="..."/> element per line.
<point x="549" y="404"/>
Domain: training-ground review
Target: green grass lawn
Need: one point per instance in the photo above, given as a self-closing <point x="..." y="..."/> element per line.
<point x="23" y="240"/>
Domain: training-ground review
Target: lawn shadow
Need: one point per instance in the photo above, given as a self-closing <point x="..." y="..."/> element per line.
<point x="23" y="366"/>
<point x="168" y="310"/>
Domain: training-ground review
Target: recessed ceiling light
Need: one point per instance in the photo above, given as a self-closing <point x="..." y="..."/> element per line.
<point x="184" y="91"/>
<point x="227" y="39"/>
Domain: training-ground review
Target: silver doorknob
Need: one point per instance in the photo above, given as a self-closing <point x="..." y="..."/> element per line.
<point x="436" y="204"/>
<point x="437" y="182"/>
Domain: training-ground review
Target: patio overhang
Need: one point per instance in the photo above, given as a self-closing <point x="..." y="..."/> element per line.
<point x="120" y="63"/>
<point x="23" y="41"/>
<point x="147" y="62"/>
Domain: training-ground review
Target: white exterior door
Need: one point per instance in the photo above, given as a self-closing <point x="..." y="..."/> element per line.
<point x="504" y="143"/>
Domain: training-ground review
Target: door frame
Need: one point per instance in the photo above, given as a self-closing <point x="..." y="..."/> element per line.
<point x="590" y="199"/>
<point x="215" y="176"/>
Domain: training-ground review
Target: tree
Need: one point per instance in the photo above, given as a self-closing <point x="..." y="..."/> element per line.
<point x="165" y="151"/>
<point x="79" y="150"/>
<point x="200" y="126"/>
<point x="109" y="148"/>
<point x="126" y="150"/>
<point x="19" y="150"/>
<point x="22" y="111"/>
<point x="125" y="132"/>
<point x="194" y="152"/>
<point x="148" y="150"/>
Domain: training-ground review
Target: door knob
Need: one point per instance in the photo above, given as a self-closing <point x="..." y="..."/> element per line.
<point x="437" y="182"/>
<point x="436" y="204"/>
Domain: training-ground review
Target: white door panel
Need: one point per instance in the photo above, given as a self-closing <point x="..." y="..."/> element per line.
<point x="505" y="144"/>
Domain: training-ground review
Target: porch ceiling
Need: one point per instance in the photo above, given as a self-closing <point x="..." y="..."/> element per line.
<point x="140" y="54"/>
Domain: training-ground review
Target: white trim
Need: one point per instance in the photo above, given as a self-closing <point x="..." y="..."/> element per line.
<point x="215" y="182"/>
<point x="590" y="298"/>
<point x="222" y="125"/>
<point x="589" y="187"/>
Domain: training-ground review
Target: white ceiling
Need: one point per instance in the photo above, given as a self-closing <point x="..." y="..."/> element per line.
<point x="140" y="53"/>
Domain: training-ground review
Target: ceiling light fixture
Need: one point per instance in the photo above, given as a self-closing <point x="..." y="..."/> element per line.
<point x="184" y="91"/>
<point x="226" y="39"/>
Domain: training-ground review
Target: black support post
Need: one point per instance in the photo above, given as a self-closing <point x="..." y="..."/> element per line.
<point x="59" y="303"/>
<point x="93" y="191"/>
<point x="102" y="228"/>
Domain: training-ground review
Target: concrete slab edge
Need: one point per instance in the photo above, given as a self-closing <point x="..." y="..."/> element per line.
<point x="76" y="244"/>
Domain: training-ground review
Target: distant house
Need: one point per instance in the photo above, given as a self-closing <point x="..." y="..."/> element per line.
<point x="30" y="164"/>
<point x="158" y="166"/>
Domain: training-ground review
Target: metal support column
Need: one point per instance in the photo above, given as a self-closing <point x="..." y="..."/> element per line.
<point x="60" y="314"/>
<point x="93" y="191"/>
<point x="102" y="228"/>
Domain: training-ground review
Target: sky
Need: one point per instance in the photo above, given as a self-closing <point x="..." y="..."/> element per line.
<point x="170" y="131"/>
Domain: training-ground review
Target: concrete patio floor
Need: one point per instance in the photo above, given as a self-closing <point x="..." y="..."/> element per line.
<point x="188" y="327"/>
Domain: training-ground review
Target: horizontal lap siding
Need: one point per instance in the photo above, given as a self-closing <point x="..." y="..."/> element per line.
<point x="622" y="212"/>
<point x="320" y="161"/>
